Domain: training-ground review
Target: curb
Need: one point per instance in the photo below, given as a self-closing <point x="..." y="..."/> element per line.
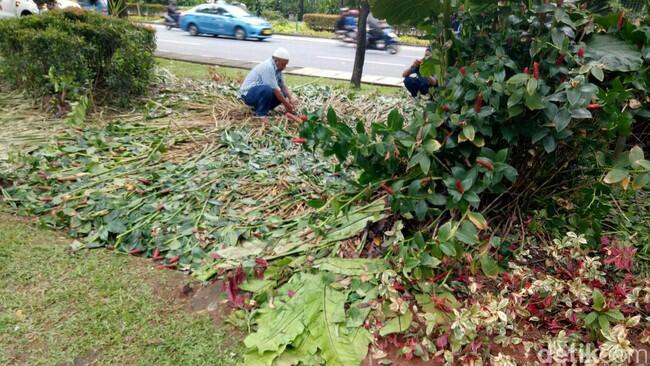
<point x="299" y="71"/>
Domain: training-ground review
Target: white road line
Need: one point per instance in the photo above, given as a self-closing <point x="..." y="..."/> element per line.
<point x="385" y="63"/>
<point x="336" y="58"/>
<point x="179" y="42"/>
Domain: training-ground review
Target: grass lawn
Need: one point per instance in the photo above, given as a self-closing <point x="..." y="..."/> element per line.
<point x="195" y="71"/>
<point x="96" y="307"/>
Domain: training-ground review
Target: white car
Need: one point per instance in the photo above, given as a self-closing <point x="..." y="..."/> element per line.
<point x="19" y="8"/>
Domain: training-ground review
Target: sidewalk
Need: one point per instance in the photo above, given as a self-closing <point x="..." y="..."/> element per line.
<point x="304" y="71"/>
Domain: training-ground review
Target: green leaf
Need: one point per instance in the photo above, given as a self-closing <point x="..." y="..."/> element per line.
<point x="445" y="232"/>
<point x="597" y="72"/>
<point x="421" y="209"/>
<point x="395" y="120"/>
<point x="580" y="113"/>
<point x="616" y="175"/>
<point x="116" y="227"/>
<point x="534" y="102"/>
<point x="316" y="203"/>
<point x="489" y="266"/>
<point x="280" y="327"/>
<point x="573" y="96"/>
<point x="257" y="286"/>
<point x="615" y="315"/>
<point x="591" y="317"/>
<point x="562" y="119"/>
<point x="613" y="53"/>
<point x="404" y="12"/>
<point x="338" y="345"/>
<point x="448" y="248"/>
<point x="478" y="220"/>
<point x="331" y="116"/>
<point x="636" y="155"/>
<point x="431" y="145"/>
<point x="531" y="86"/>
<point x="603" y="323"/>
<point x="467" y="233"/>
<point x="598" y="299"/>
<point x="351" y="267"/>
<point x="397" y="325"/>
<point x="469" y="132"/>
<point x="549" y="144"/>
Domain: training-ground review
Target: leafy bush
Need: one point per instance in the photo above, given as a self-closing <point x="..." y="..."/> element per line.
<point x="271" y="15"/>
<point x="73" y="53"/>
<point x="321" y="22"/>
<point x="147" y="9"/>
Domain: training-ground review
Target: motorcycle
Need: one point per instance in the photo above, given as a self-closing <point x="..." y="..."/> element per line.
<point x="388" y="42"/>
<point x="171" y="22"/>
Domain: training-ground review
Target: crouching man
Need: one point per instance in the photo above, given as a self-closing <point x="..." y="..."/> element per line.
<point x="264" y="88"/>
<point x="414" y="82"/>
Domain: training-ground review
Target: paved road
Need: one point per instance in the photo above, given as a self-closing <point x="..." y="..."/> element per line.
<point x="314" y="53"/>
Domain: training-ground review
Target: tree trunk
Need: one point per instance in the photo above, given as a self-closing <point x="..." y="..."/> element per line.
<point x="360" y="56"/>
<point x="301" y="9"/>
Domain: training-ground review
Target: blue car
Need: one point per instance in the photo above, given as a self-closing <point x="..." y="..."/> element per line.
<point x="225" y="20"/>
<point x="99" y="6"/>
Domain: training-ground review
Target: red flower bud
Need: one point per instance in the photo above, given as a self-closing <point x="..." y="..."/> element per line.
<point x="387" y="188"/>
<point x="459" y="186"/>
<point x="619" y="23"/>
<point x="479" y="103"/>
<point x="593" y="106"/>
<point x="536" y="70"/>
<point x="445" y="108"/>
<point x="298" y="141"/>
<point x="525" y="70"/>
<point x="581" y="52"/>
<point x="559" y="60"/>
<point x="485" y="164"/>
<point x="463" y="70"/>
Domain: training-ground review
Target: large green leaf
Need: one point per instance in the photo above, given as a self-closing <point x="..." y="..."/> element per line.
<point x="615" y="54"/>
<point x="398" y="324"/>
<point x="405" y="11"/>
<point x="351" y="267"/>
<point x="338" y="345"/>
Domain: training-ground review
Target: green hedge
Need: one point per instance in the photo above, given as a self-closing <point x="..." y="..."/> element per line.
<point x="147" y="9"/>
<point x="72" y="53"/>
<point x="321" y="22"/>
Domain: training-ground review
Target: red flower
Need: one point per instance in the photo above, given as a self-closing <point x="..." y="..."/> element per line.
<point x="459" y="186"/>
<point x="525" y="70"/>
<point x="536" y="70"/>
<point x="298" y="141"/>
<point x="619" y="23"/>
<point x="291" y="293"/>
<point x="463" y="70"/>
<point x="479" y="103"/>
<point x="445" y="108"/>
<point x="581" y="52"/>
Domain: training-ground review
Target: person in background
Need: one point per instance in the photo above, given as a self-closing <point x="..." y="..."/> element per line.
<point x="264" y="88"/>
<point x="340" y="23"/>
<point x="414" y="82"/>
<point x="172" y="11"/>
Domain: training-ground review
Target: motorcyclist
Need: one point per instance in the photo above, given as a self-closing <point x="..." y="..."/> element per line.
<point x="340" y="23"/>
<point x="375" y="30"/>
<point x="172" y="11"/>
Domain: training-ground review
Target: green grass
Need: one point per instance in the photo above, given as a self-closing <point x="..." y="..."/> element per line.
<point x="195" y="71"/>
<point x="300" y="28"/>
<point x="57" y="308"/>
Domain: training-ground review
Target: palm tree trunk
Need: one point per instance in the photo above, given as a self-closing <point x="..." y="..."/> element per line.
<point x="360" y="56"/>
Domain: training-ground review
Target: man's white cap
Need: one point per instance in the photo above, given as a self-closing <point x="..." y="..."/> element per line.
<point x="281" y="53"/>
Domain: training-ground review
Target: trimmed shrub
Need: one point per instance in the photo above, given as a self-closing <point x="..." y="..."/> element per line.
<point x="73" y="53"/>
<point x="147" y="9"/>
<point x="321" y="22"/>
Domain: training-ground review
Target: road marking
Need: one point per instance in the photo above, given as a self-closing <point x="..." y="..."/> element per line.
<point x="385" y="63"/>
<point x="179" y="42"/>
<point x="352" y="60"/>
<point x="336" y="58"/>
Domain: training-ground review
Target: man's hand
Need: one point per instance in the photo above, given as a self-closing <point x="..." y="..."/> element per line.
<point x="289" y="106"/>
<point x="417" y="63"/>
